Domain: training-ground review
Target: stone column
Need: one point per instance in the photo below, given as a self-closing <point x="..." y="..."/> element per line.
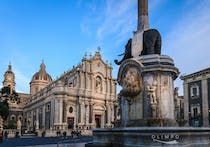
<point x="87" y="107"/>
<point x="37" y="118"/>
<point x="112" y="112"/>
<point x="91" y="113"/>
<point x="143" y="20"/>
<point x="204" y="86"/>
<point x="52" y="111"/>
<point x="108" y="113"/>
<point x="64" y="110"/>
<point x="186" y="103"/>
<point x="33" y="119"/>
<point x="60" y="109"/>
<point x="82" y="80"/>
<point x="43" y="116"/>
<point x="92" y="83"/>
<point x="56" y="112"/>
<point x="82" y="112"/>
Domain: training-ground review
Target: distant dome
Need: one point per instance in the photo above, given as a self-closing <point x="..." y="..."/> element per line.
<point x="42" y="75"/>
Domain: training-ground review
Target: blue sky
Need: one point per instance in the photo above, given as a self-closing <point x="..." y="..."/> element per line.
<point x="61" y="31"/>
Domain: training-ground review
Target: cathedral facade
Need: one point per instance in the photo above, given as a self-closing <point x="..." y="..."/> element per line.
<point x="80" y="99"/>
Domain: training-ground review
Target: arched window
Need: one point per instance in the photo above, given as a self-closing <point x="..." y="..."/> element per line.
<point x="70" y="109"/>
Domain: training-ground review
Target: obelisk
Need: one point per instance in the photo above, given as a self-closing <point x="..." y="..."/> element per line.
<point x="143" y="21"/>
<point x="143" y="25"/>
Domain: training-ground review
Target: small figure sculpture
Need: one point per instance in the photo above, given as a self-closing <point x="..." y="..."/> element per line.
<point x="98" y="84"/>
<point x="37" y="124"/>
<point x="19" y="124"/>
<point x="151" y="93"/>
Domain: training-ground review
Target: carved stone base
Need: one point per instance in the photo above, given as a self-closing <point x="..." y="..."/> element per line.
<point x="154" y="95"/>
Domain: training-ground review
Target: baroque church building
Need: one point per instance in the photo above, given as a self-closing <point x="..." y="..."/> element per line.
<point x="81" y="99"/>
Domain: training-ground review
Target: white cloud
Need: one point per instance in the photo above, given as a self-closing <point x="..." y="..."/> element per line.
<point x="188" y="41"/>
<point x="117" y="19"/>
<point x="22" y="82"/>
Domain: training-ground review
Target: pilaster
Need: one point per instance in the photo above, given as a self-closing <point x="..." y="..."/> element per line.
<point x="43" y="116"/>
<point x="60" y="109"/>
<point x="186" y="103"/>
<point x="204" y="86"/>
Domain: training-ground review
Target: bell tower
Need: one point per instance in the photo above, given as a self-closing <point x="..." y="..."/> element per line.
<point x="9" y="78"/>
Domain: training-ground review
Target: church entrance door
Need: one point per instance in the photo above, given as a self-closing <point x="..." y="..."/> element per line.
<point x="70" y="122"/>
<point x="98" y="121"/>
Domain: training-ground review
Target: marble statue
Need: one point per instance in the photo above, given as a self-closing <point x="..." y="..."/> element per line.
<point x="19" y="124"/>
<point x="37" y="125"/>
<point x="151" y="92"/>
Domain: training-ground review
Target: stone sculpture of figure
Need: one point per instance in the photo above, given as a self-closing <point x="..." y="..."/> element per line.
<point x="151" y="45"/>
<point x="37" y="124"/>
<point x="127" y="53"/>
<point x="19" y="124"/>
<point x="98" y="84"/>
<point x="151" y="93"/>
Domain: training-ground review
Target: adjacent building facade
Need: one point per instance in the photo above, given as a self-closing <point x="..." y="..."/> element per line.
<point x="197" y="98"/>
<point x="179" y="105"/>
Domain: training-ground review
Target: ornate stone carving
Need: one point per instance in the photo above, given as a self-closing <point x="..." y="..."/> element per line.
<point x="151" y="93"/>
<point x="129" y="77"/>
<point x="131" y="82"/>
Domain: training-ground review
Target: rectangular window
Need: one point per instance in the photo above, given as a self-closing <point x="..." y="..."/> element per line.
<point x="195" y="112"/>
<point x="194" y="91"/>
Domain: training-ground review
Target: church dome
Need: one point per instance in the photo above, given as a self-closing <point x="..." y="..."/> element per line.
<point x="39" y="80"/>
<point x="42" y="75"/>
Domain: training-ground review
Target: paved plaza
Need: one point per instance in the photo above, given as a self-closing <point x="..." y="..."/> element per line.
<point x="46" y="142"/>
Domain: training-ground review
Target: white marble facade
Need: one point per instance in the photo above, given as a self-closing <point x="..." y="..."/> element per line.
<point x="82" y="98"/>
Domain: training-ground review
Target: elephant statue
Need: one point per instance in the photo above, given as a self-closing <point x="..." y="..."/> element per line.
<point x="127" y="53"/>
<point x="151" y="42"/>
<point x="151" y="45"/>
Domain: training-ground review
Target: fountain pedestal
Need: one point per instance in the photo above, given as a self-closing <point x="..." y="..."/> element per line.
<point x="148" y="91"/>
